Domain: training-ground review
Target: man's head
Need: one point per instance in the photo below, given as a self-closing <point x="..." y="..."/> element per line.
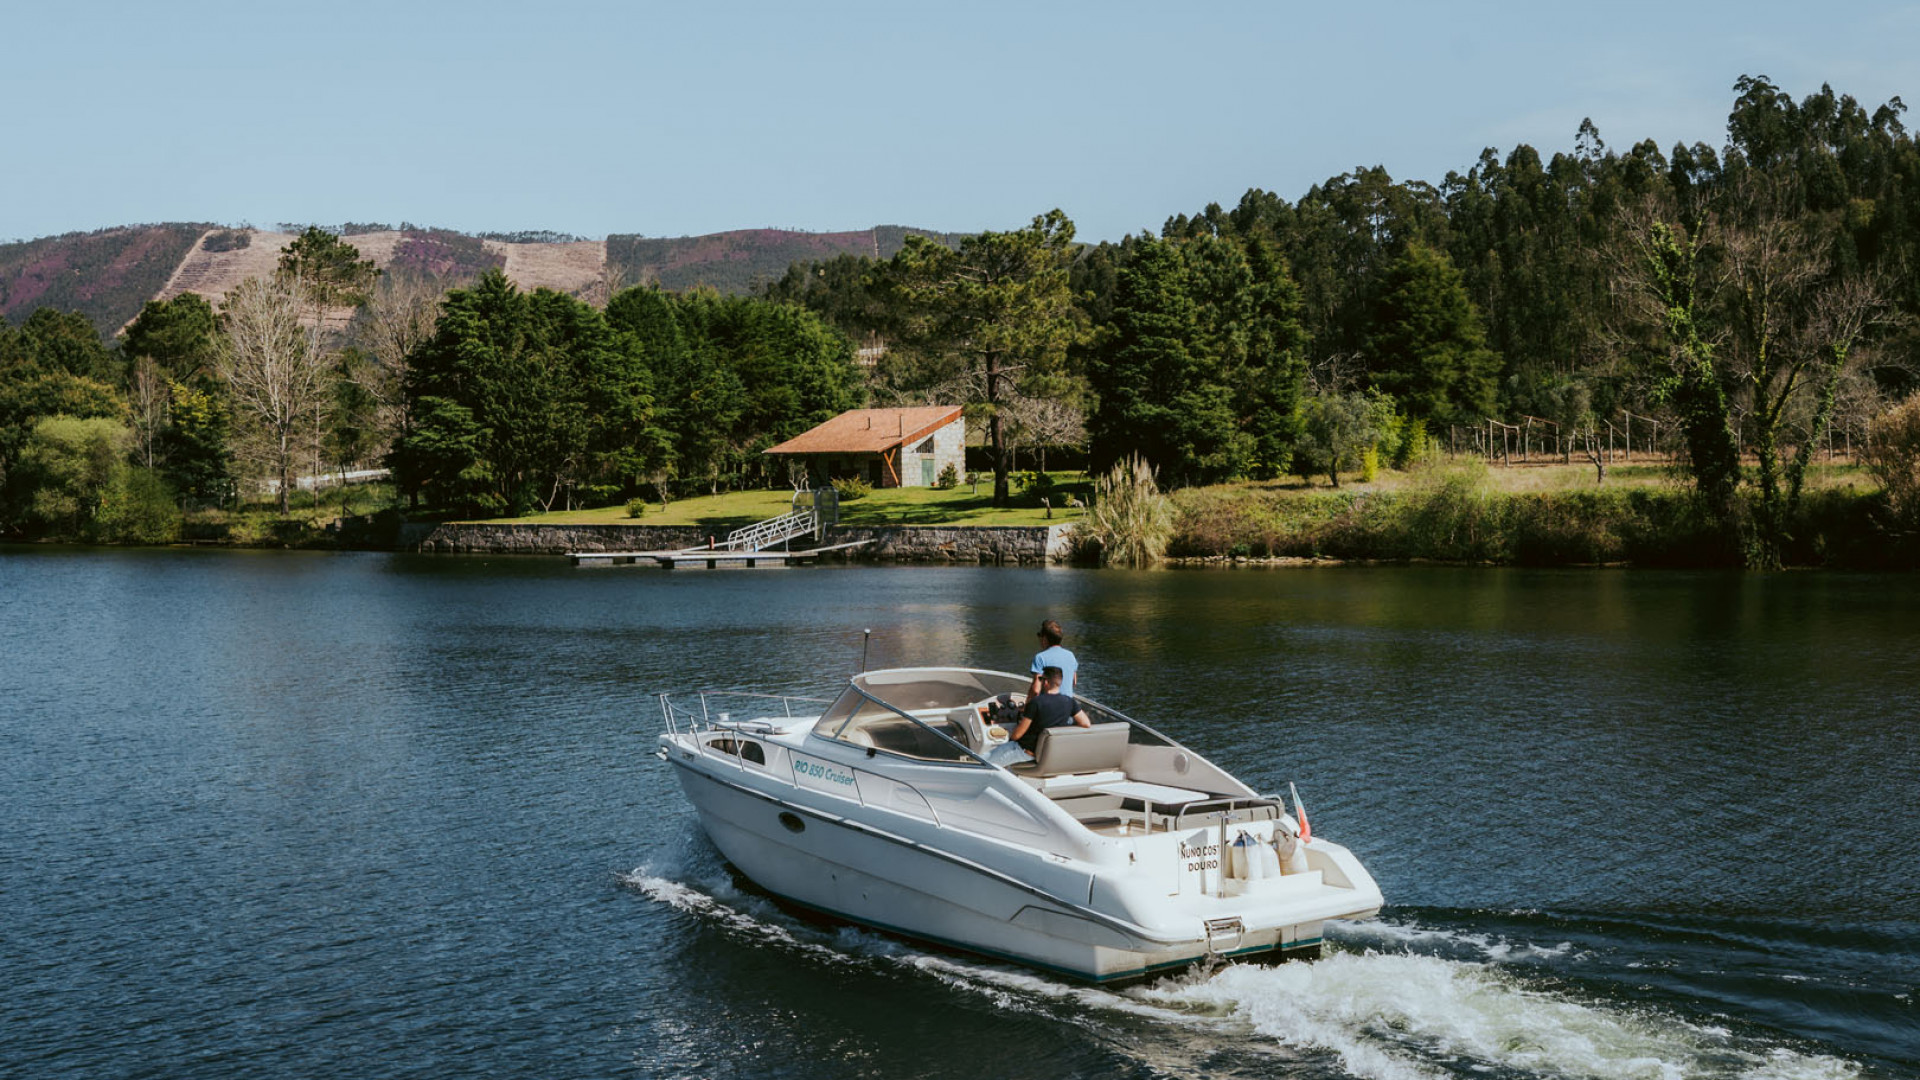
<point x="1050" y="631"/>
<point x="1050" y="678"/>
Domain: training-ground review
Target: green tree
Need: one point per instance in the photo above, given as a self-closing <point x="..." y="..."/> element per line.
<point x="196" y="445"/>
<point x="1000" y="307"/>
<point x="65" y="341"/>
<point x="329" y="268"/>
<point x="1686" y="377"/>
<point x="522" y="399"/>
<point x="35" y="383"/>
<point x="1339" y="429"/>
<point x="1160" y="392"/>
<point x="177" y="334"/>
<point x="1428" y="348"/>
<point x="71" y="466"/>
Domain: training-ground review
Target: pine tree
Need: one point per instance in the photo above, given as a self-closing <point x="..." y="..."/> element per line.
<point x="1428" y="348"/>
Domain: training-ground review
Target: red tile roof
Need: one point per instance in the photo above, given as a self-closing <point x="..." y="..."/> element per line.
<point x="870" y="431"/>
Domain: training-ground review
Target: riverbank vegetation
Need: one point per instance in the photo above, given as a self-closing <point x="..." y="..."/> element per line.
<point x="1745" y="311"/>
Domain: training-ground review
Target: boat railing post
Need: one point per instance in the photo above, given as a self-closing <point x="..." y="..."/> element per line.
<point x="666" y="711"/>
<point x="705" y="721"/>
<point x="1220" y="871"/>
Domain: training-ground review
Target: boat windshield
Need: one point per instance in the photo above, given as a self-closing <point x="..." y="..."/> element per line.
<point x="920" y="713"/>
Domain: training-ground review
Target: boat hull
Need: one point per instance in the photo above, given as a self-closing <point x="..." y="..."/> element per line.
<point x="823" y="861"/>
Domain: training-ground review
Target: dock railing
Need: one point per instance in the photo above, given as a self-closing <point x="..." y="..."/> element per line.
<point x="772" y="531"/>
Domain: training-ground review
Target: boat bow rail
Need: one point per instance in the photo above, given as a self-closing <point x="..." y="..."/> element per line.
<point x="709" y="710"/>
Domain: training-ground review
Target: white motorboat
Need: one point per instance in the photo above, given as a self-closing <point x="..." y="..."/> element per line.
<point x="1113" y="854"/>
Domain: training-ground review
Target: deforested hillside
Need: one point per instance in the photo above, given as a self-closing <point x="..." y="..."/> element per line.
<point x="106" y="275"/>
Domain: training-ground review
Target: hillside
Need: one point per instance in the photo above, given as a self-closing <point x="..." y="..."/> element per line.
<point x="740" y="261"/>
<point x="106" y="275"/>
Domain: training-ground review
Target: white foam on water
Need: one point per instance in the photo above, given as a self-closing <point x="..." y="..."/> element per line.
<point x="1410" y="1017"/>
<point x="727" y="916"/>
<point x="1382" y="1016"/>
<point x="1491" y="947"/>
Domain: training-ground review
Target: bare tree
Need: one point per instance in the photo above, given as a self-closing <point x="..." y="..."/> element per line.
<point x="398" y="317"/>
<point x="1037" y="423"/>
<point x="1760" y="332"/>
<point x="149" y="398"/>
<point x="276" y="373"/>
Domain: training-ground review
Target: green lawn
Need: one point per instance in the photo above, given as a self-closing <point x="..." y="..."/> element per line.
<point x="885" y="506"/>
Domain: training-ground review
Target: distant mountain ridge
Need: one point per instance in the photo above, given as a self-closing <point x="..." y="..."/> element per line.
<point x="109" y="273"/>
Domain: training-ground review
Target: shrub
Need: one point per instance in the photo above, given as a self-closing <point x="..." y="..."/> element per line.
<point x="1414" y="445"/>
<point x="140" y="510"/>
<point x="227" y="240"/>
<point x="851" y="488"/>
<point x="636" y="507"/>
<point x="1893" y="456"/>
<point x="1131" y="521"/>
<point x="1370" y="465"/>
<point x="949" y="478"/>
<point x="1037" y="484"/>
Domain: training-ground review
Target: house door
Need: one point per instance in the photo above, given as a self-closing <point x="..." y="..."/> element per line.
<point x="926" y="472"/>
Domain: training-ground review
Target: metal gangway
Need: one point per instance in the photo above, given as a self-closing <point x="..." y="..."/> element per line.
<point x="823" y="511"/>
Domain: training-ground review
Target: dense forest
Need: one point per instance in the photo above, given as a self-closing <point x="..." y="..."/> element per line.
<point x="1739" y="303"/>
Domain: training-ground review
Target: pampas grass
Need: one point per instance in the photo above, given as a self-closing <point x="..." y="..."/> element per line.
<point x="1131" y="521"/>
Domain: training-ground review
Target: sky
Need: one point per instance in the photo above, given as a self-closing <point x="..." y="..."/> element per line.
<point x="687" y="118"/>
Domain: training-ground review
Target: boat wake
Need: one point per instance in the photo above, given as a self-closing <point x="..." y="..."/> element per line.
<point x="1390" y="1001"/>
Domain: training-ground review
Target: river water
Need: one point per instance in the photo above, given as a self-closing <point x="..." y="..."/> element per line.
<point x="290" y="815"/>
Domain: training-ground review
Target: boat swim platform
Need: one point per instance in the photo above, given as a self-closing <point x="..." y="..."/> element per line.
<point x="709" y="558"/>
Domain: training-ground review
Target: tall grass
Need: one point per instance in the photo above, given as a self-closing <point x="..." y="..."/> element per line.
<point x="1131" y="521"/>
<point x="1455" y="514"/>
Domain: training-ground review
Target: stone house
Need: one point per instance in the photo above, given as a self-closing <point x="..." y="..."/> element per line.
<point x="884" y="447"/>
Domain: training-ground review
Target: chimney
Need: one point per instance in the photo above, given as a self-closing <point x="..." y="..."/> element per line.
<point x="869" y="421"/>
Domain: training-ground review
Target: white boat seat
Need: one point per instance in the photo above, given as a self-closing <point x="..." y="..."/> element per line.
<point x="1063" y="750"/>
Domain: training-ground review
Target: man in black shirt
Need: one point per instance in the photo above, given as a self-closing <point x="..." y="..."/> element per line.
<point x="1048" y="708"/>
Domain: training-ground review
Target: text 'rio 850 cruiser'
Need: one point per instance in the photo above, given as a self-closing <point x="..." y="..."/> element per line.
<point x="1113" y="854"/>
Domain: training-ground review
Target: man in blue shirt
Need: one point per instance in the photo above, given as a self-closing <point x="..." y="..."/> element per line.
<point x="1049" y="708"/>
<point x="1053" y="656"/>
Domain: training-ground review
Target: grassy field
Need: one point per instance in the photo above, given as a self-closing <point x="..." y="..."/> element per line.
<point x="964" y="506"/>
<point x="961" y="505"/>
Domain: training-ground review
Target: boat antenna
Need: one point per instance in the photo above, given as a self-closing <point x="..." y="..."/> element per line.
<point x="866" y="638"/>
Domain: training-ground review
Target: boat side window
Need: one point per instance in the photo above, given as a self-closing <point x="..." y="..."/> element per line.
<point x="745" y="748"/>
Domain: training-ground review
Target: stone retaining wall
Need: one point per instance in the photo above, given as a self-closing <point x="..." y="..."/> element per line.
<point x="468" y="539"/>
<point x="1021" y="544"/>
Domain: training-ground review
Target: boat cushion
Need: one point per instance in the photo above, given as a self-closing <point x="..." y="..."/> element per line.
<point x="1080" y="750"/>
